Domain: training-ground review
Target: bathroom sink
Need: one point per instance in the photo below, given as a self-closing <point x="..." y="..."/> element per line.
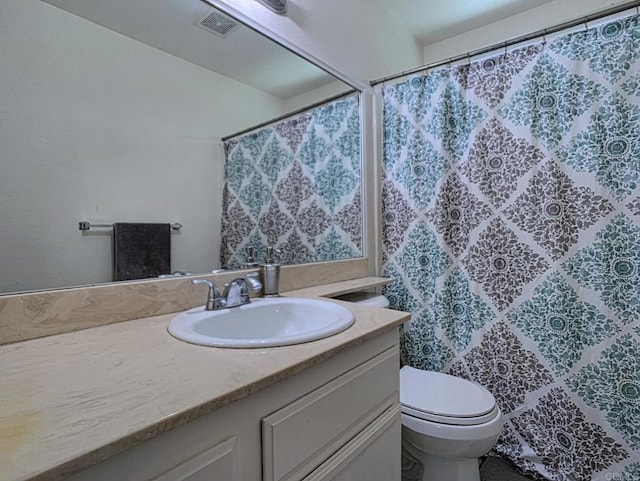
<point x="270" y="322"/>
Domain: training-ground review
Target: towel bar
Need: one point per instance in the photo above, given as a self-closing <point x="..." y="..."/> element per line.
<point x="85" y="226"/>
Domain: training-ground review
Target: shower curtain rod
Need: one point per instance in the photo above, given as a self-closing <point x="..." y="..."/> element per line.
<point x="514" y="41"/>
<point x="291" y="114"/>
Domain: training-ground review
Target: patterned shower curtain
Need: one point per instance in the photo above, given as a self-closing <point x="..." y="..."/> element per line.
<point x="511" y="223"/>
<point x="295" y="185"/>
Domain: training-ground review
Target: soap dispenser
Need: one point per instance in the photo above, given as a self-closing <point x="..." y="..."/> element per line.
<point x="271" y="274"/>
<point x="249" y="261"/>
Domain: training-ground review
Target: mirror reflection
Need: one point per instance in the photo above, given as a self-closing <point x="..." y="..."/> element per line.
<point x="295" y="185"/>
<point x="114" y="113"/>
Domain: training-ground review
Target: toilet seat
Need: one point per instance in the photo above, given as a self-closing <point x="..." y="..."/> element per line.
<point x="445" y="399"/>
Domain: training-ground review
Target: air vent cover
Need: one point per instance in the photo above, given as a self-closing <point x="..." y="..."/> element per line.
<point x="217" y="23"/>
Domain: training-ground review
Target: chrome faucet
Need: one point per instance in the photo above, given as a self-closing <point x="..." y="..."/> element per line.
<point x="236" y="293"/>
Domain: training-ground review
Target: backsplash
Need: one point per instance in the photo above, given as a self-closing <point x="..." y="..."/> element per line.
<point x="45" y="313"/>
<point x="295" y="185"/>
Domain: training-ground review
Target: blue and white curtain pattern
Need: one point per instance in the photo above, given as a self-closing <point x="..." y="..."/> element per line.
<point x="511" y="223"/>
<point x="295" y="185"/>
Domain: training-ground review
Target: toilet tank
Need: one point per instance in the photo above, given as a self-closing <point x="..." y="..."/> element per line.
<point x="366" y="298"/>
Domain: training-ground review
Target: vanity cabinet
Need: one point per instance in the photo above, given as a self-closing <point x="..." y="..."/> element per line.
<point x="336" y="420"/>
<point x="219" y="462"/>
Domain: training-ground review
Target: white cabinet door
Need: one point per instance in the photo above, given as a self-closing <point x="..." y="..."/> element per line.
<point x="167" y="461"/>
<point x="304" y="434"/>
<point x="374" y="454"/>
<point x="218" y="463"/>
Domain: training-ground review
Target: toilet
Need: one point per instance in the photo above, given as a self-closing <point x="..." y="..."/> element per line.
<point x="447" y="422"/>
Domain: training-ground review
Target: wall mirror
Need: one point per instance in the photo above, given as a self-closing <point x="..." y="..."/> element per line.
<point x="116" y="111"/>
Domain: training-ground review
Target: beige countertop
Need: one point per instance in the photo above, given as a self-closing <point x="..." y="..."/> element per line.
<point x="72" y="400"/>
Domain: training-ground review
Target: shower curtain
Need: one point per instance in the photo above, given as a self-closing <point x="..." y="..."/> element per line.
<point x="295" y="185"/>
<point x="511" y="223"/>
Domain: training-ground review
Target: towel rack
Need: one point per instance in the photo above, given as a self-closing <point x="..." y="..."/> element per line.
<point x="85" y="226"/>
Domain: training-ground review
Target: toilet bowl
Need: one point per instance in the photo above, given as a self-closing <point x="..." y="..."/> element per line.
<point x="447" y="424"/>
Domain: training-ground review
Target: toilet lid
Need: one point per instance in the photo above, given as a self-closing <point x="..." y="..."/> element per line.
<point x="445" y="399"/>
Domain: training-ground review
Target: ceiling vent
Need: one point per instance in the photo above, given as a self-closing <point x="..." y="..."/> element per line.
<point x="217" y="23"/>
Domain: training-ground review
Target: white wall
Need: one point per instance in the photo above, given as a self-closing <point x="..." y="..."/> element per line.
<point x="539" y="18"/>
<point x="96" y="126"/>
<point x="315" y="96"/>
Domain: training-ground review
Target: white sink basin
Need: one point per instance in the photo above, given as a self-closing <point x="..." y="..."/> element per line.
<point x="268" y="322"/>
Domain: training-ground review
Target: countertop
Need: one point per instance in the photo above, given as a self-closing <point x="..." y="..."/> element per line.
<point x="72" y="400"/>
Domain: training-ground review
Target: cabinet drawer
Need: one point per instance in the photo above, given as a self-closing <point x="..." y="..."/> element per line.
<point x="372" y="454"/>
<point x="302" y="435"/>
<point x="219" y="462"/>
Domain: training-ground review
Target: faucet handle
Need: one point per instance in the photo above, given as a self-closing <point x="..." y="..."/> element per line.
<point x="253" y="281"/>
<point x="204" y="281"/>
<point x="214" y="299"/>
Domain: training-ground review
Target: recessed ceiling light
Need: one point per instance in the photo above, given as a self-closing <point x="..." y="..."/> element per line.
<point x="278" y="6"/>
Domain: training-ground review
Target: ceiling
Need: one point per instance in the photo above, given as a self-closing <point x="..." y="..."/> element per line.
<point x="172" y="26"/>
<point x="244" y="55"/>
<point x="432" y="21"/>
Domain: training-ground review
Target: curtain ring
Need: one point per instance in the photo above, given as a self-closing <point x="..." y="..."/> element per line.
<point x="468" y="58"/>
<point x="586" y="25"/>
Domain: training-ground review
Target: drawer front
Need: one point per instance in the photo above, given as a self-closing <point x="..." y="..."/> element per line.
<point x="217" y="463"/>
<point x="302" y="435"/>
<point x="372" y="454"/>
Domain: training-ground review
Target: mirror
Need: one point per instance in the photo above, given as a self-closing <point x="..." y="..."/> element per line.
<point x="115" y="111"/>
